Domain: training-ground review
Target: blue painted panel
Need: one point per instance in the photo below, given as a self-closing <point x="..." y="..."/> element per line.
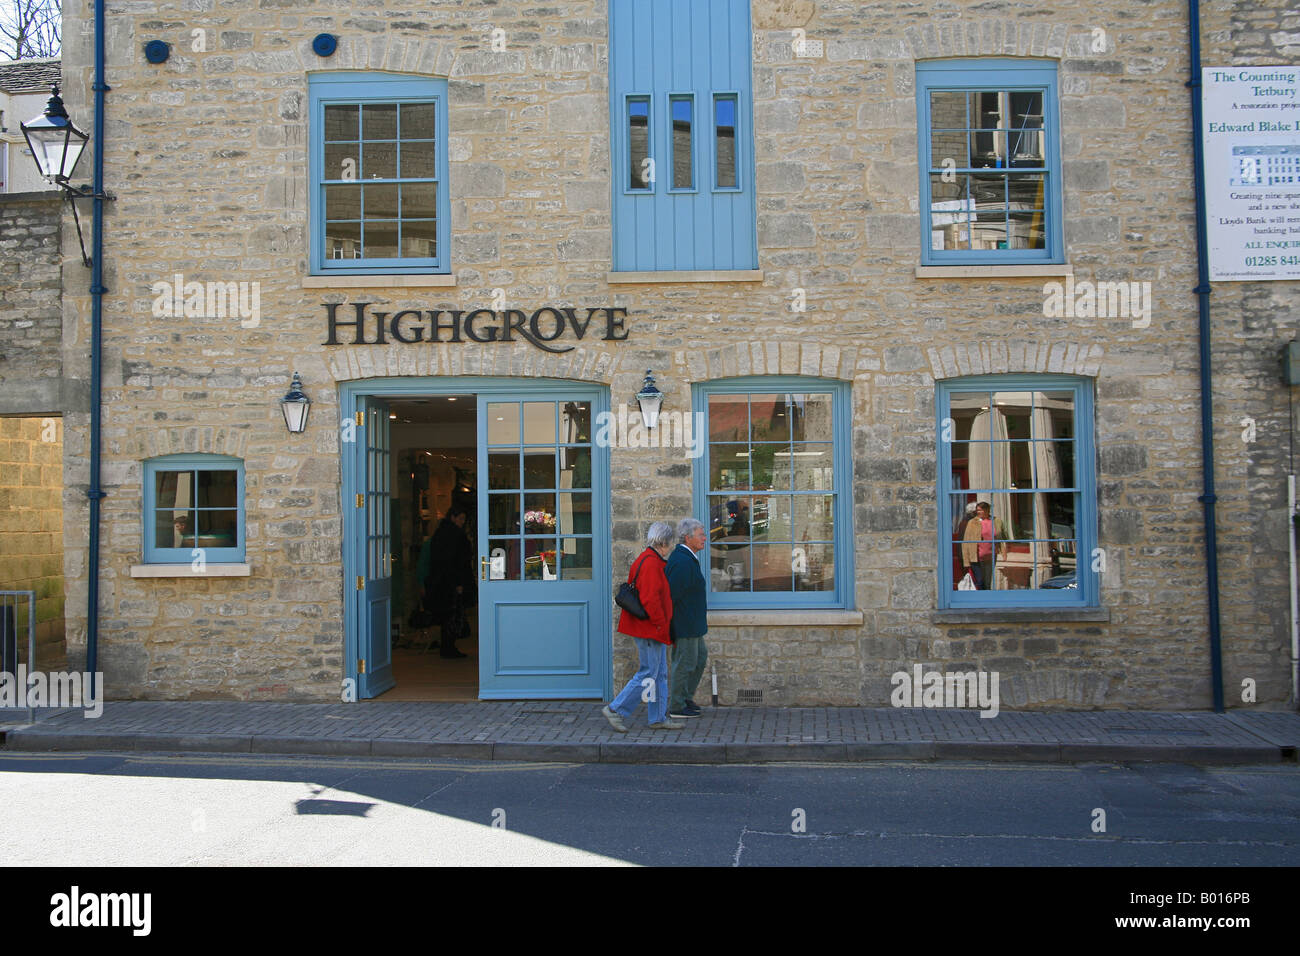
<point x="542" y="638"/>
<point x="660" y="48"/>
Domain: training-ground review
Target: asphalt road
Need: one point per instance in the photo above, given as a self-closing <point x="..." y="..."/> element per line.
<point x="168" y="810"/>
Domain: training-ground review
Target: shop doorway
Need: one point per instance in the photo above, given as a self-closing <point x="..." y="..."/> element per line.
<point x="434" y="617"/>
<point x="517" y="459"/>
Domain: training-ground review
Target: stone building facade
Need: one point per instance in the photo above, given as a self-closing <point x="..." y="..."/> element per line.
<point x="33" y="397"/>
<point x="847" y="304"/>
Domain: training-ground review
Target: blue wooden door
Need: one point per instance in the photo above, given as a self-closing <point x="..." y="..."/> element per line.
<point x="542" y="535"/>
<point x="374" y="647"/>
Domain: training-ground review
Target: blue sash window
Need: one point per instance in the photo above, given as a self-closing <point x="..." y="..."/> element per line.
<point x="378" y="174"/>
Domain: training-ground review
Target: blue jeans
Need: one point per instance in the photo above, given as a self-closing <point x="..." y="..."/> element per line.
<point x="652" y="657"/>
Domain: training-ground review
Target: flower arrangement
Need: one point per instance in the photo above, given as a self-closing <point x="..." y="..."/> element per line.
<point x="541" y="565"/>
<point x="539" y="521"/>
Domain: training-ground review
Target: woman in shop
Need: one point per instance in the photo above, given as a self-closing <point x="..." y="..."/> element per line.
<point x="447" y="569"/>
<point x="651" y="636"/>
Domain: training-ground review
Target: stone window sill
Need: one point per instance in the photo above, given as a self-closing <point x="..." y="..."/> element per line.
<point x="187" y="571"/>
<point x="444" y="280"/>
<point x="1025" y="270"/>
<point x="1009" y="615"/>
<point x="785" y="618"/>
<point x="738" y="275"/>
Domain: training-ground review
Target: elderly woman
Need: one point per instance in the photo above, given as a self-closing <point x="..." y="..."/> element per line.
<point x="650" y="682"/>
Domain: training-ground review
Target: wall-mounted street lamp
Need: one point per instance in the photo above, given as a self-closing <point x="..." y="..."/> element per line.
<point x="295" y="406"/>
<point x="650" y="399"/>
<point x="56" y="146"/>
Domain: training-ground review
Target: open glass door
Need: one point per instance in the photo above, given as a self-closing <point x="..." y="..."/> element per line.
<point x="537" y="535"/>
<point x="374" y="646"/>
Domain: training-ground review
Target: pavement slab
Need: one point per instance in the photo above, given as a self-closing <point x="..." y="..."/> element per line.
<point x="575" y="731"/>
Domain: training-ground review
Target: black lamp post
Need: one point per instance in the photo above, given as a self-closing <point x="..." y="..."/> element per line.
<point x="56" y="146"/>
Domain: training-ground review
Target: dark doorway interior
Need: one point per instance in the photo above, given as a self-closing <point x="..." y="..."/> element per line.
<point x="434" y="442"/>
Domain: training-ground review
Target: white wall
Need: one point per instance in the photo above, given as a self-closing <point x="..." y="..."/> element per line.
<point x="19" y="171"/>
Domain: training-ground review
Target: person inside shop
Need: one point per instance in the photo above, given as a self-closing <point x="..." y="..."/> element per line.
<point x="739" y="520"/>
<point x="446" y="568"/>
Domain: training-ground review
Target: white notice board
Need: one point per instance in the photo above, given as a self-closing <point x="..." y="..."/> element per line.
<point x="1251" y="142"/>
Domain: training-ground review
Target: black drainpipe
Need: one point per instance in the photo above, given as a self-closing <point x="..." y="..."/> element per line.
<point x="1208" y="497"/>
<point x="97" y="290"/>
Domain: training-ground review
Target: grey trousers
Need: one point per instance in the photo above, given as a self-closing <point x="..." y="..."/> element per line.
<point x="689" y="657"/>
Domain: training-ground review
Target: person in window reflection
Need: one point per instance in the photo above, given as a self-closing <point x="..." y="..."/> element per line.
<point x="983" y="533"/>
<point x="958" y="536"/>
<point x="446" y="568"/>
<point x="739" y="520"/>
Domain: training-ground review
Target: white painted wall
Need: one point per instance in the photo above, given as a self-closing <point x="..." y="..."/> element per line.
<point x="18" y="169"/>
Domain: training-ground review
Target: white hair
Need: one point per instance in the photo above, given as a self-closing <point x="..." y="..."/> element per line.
<point x="688" y="526"/>
<point x="659" y="535"/>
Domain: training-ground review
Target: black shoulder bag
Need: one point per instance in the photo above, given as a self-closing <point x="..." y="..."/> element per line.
<point x="627" y="597"/>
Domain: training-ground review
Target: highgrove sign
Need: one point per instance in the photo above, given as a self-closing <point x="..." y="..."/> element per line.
<point x="545" y="328"/>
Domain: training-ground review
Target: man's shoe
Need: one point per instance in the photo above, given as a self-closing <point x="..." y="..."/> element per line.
<point x="615" y="720"/>
<point x="688" y="711"/>
<point x="668" y="725"/>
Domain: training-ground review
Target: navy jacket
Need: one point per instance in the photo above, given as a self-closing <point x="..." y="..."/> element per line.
<point x="690" y="596"/>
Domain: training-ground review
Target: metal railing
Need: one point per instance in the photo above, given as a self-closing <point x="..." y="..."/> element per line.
<point x="10" y="603"/>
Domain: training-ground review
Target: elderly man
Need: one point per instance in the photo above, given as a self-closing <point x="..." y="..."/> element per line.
<point x="689" y="592"/>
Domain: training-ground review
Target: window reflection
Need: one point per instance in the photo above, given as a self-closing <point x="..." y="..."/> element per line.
<point x="682" y="109"/>
<point x="772" y="496"/>
<point x="196" y="509"/>
<point x="1013" y="451"/>
<point x="724" y="118"/>
<point x="987" y="130"/>
<point x="638" y="137"/>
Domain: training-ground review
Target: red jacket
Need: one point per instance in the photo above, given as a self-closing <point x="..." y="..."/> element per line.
<point x="652" y="587"/>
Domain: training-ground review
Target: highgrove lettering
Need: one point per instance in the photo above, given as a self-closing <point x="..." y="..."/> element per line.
<point x="540" y="328"/>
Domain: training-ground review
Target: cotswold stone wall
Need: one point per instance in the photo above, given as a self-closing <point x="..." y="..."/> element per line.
<point x="31" y="313"/>
<point x="1252" y="323"/>
<point x="208" y="156"/>
<point x="31" y="530"/>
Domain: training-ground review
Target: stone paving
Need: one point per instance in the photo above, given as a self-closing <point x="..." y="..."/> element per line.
<point x="576" y="731"/>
